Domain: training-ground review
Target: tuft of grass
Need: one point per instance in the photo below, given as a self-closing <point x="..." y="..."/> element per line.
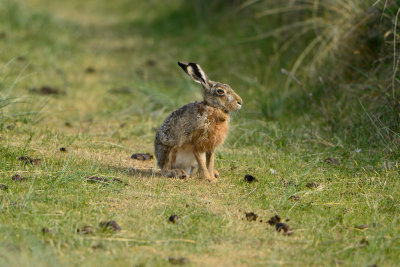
<point x="10" y="105"/>
<point x="342" y="63"/>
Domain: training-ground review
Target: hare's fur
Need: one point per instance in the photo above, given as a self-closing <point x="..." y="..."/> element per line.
<point x="187" y="139"/>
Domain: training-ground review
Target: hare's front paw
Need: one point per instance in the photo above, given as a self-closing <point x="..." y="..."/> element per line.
<point x="176" y="173"/>
<point x="216" y="174"/>
<point x="209" y="178"/>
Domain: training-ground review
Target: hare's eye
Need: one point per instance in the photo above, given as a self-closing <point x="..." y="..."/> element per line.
<point x="220" y="92"/>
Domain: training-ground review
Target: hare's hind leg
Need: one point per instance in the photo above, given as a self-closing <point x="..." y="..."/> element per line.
<point x="175" y="173"/>
<point x="167" y="168"/>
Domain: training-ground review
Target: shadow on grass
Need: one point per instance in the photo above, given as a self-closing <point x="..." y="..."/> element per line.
<point x="137" y="171"/>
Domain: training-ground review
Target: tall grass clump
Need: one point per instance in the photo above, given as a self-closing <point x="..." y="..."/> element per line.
<point x="5" y="94"/>
<point x="341" y="64"/>
<point x="14" y="106"/>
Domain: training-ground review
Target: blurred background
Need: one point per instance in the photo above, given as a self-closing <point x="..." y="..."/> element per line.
<point x="314" y="71"/>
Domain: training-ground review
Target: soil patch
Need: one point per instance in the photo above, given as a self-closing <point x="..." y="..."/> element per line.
<point x="142" y="156"/>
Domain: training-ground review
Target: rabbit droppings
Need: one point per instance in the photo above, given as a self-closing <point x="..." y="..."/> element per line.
<point x="186" y="141"/>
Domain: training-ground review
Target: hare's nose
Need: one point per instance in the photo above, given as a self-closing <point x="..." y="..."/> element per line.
<point x="239" y="102"/>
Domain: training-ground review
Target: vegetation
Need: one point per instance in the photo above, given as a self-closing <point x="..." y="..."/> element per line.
<point x="348" y="62"/>
<point x="84" y="85"/>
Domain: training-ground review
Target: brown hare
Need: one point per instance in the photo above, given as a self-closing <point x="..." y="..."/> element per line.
<point x="187" y="139"/>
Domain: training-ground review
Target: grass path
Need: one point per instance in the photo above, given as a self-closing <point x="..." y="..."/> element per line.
<point x="105" y="114"/>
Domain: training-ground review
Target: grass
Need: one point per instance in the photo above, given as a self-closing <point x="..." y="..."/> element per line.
<point x="102" y="117"/>
<point x="343" y="53"/>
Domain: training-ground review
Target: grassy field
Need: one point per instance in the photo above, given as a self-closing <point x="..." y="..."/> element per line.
<point x="112" y="69"/>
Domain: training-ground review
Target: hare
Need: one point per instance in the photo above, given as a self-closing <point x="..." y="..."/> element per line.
<point x="187" y="139"/>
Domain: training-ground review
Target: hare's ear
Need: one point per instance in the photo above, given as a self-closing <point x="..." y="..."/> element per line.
<point x="196" y="73"/>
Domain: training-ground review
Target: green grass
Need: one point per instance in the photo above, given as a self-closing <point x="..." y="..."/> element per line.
<point x="136" y="46"/>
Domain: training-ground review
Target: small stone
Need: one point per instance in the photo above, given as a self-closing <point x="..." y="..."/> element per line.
<point x="22" y="158"/>
<point x="338" y="262"/>
<point x="94" y="179"/>
<point x="18" y="178"/>
<point x="119" y="181"/>
<point x="87" y="229"/>
<point x="251" y="216"/>
<point x="178" y="261"/>
<point x="46" y="230"/>
<point x="46" y="90"/>
<point x="250" y="179"/>
<point x="295" y="198"/>
<point x="332" y="161"/>
<point x="110" y="225"/>
<point x="29" y="160"/>
<point x="364" y="242"/>
<point x="36" y="161"/>
<point x="274" y="220"/>
<point x="120" y="90"/>
<point x="312" y="185"/>
<point x="98" y="246"/>
<point x="63" y="149"/>
<point x="3" y="187"/>
<point x="151" y="63"/>
<point x="142" y="156"/>
<point x="90" y="70"/>
<point x="284" y="229"/>
<point x="173" y="218"/>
